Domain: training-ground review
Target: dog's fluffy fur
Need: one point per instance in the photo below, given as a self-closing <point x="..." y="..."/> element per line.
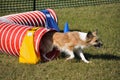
<point x="69" y="42"/>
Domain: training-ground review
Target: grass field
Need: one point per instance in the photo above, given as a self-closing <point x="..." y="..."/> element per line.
<point x="105" y="61"/>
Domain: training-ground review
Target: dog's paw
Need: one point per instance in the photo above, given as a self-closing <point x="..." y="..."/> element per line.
<point x="86" y="61"/>
<point x="89" y="62"/>
<point x="68" y="59"/>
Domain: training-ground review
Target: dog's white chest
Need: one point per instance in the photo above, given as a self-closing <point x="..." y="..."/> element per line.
<point x="82" y="36"/>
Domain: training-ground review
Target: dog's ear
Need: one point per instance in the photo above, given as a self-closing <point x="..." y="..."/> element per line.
<point x="95" y="32"/>
<point x="89" y="35"/>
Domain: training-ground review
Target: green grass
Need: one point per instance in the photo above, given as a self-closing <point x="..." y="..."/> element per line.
<point x="105" y="61"/>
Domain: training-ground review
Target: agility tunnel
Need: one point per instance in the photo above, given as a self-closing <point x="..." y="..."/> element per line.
<point x="32" y="18"/>
<point x="25" y="42"/>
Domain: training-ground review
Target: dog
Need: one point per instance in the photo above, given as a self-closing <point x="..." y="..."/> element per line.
<point x="70" y="42"/>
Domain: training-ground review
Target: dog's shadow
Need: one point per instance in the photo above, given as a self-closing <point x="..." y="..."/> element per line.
<point x="89" y="56"/>
<point x="104" y="56"/>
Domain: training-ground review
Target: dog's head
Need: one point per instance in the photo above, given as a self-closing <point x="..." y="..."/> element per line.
<point x="93" y="39"/>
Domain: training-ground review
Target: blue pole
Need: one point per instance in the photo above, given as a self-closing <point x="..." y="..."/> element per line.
<point x="66" y="27"/>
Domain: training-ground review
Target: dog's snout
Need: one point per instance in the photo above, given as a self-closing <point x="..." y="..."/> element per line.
<point x="99" y="44"/>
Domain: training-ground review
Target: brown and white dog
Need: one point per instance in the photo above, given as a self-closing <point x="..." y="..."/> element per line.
<point x="70" y="42"/>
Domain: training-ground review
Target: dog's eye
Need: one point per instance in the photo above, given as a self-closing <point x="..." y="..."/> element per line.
<point x="96" y="41"/>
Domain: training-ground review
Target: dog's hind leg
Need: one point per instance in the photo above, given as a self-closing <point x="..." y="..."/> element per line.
<point x="71" y="55"/>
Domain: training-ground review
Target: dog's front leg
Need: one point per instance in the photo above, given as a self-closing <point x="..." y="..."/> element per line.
<point x="81" y="55"/>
